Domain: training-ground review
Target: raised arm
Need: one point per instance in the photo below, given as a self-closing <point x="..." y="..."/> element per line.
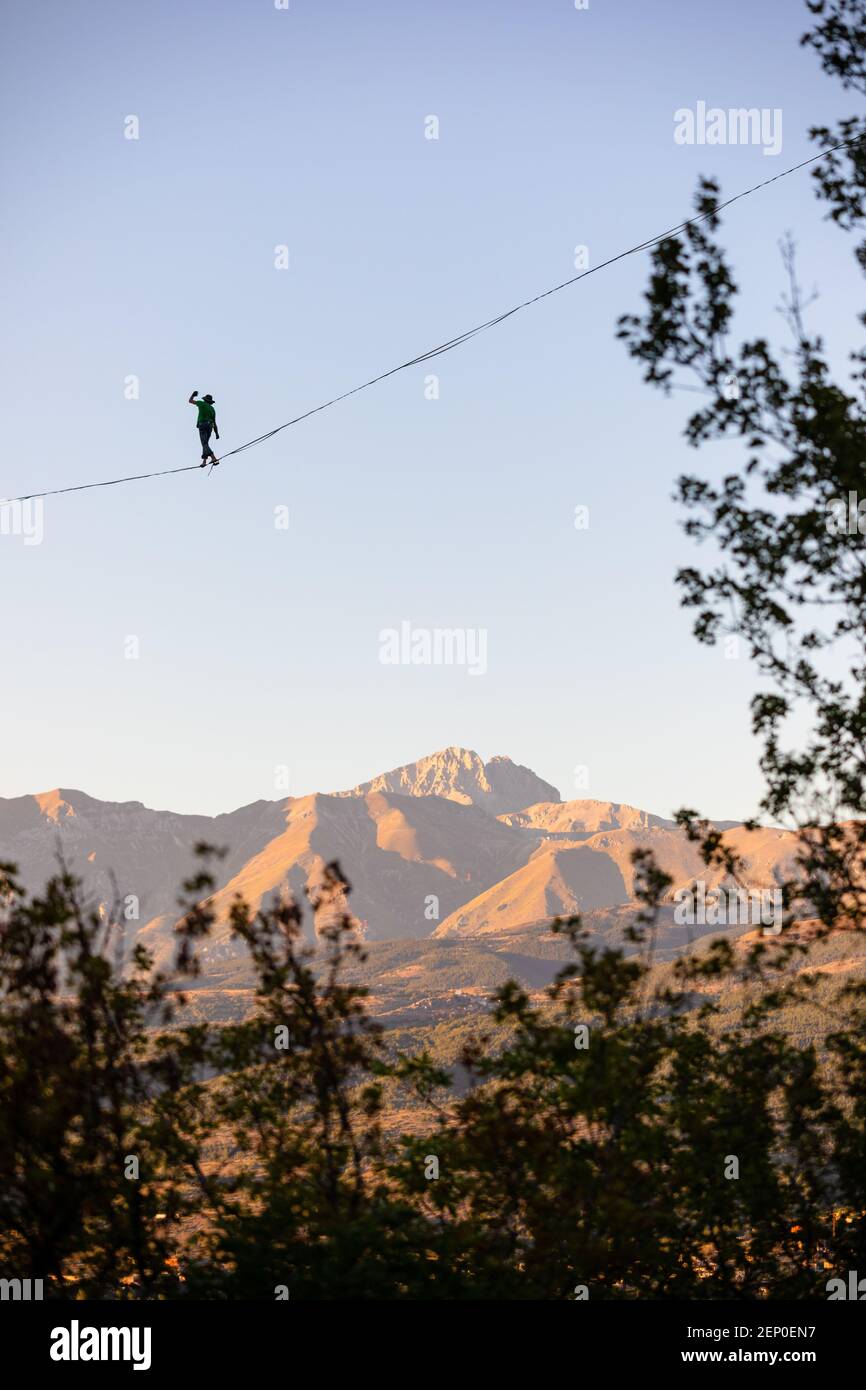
<point x="192" y="398"/>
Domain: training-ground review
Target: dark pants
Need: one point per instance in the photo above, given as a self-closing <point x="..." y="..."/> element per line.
<point x="204" y="434"/>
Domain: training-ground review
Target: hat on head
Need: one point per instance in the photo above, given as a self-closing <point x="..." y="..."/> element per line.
<point x="209" y="399"/>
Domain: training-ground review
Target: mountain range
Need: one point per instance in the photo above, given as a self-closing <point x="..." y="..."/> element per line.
<point x="445" y="849"/>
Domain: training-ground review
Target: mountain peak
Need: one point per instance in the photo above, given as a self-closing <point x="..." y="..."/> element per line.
<point x="459" y="774"/>
<point x="53" y="804"/>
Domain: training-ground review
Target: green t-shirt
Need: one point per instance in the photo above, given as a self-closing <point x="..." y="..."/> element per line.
<point x="206" y="413"/>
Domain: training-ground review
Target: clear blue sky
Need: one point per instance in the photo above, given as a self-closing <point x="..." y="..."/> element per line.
<point x="260" y="127"/>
